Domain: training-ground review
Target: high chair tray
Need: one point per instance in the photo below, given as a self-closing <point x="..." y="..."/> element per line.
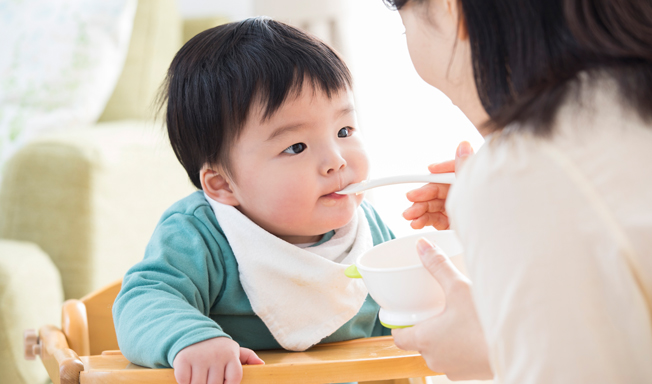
<point x="375" y="358"/>
<point x="84" y="350"/>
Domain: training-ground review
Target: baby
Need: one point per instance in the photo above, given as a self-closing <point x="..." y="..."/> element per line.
<point x="261" y="116"/>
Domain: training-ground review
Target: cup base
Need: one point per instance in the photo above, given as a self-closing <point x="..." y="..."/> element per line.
<point x="391" y="319"/>
<point x="390" y="326"/>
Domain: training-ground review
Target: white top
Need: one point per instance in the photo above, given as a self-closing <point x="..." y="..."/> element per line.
<point x="558" y="241"/>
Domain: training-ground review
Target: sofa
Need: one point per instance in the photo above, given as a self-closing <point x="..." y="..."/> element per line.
<point x="77" y="205"/>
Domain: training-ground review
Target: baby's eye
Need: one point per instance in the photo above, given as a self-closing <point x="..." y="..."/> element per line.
<point x="345" y="132"/>
<point x="295" y="148"/>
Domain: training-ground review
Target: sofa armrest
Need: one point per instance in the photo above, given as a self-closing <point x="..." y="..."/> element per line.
<point x="30" y="296"/>
<point x="91" y="197"/>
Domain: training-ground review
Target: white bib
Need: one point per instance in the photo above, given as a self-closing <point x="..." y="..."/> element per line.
<point x="302" y="295"/>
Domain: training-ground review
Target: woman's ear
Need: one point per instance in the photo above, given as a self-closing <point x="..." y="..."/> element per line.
<point x="454" y="10"/>
<point x="462" y="31"/>
<point x="217" y="187"/>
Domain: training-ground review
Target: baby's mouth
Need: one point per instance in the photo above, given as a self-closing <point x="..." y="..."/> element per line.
<point x="330" y="199"/>
<point x="333" y="195"/>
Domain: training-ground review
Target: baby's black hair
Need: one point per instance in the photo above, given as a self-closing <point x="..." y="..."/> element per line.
<point x="217" y="75"/>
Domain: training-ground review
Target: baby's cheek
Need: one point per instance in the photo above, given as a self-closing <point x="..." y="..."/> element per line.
<point x="293" y="202"/>
<point x="286" y="220"/>
<point x="360" y="163"/>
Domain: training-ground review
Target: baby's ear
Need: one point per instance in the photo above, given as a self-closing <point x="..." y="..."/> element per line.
<point x="217" y="187"/>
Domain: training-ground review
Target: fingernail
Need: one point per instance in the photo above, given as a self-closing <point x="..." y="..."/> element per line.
<point x="464" y="149"/>
<point x="424" y="247"/>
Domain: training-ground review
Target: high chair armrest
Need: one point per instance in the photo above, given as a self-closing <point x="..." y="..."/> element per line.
<point x="62" y="363"/>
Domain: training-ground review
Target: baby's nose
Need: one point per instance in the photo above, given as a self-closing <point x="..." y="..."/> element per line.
<point x="331" y="170"/>
<point x="334" y="163"/>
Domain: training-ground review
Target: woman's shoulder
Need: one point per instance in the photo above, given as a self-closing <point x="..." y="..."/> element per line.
<point x="590" y="173"/>
<point x="504" y="159"/>
<point x="595" y="140"/>
<point x="506" y="170"/>
<point x="604" y="158"/>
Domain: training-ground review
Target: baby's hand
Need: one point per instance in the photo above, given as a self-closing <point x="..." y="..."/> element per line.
<point x="213" y="361"/>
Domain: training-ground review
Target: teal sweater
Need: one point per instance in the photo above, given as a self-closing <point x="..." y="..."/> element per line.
<point x="187" y="289"/>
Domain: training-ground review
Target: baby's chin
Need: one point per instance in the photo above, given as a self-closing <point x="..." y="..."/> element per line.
<point x="340" y="220"/>
<point x="324" y="221"/>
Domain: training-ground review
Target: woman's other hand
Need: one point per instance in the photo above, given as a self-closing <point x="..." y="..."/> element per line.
<point x="453" y="341"/>
<point x="429" y="201"/>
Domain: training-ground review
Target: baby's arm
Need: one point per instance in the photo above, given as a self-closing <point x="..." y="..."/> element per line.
<point x="165" y="301"/>
<point x="213" y="361"/>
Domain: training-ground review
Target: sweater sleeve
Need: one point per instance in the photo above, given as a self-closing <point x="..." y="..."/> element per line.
<point x="165" y="299"/>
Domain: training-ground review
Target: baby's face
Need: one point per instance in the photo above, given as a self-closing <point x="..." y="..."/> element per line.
<point x="287" y="168"/>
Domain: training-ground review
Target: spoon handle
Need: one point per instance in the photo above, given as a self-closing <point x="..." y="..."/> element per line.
<point x="442" y="178"/>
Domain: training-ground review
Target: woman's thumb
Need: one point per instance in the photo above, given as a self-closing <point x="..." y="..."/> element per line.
<point x="438" y="264"/>
<point x="464" y="151"/>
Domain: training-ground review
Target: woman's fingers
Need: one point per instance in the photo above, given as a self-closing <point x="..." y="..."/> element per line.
<point x="439" y="220"/>
<point x="439" y="265"/>
<point x="419" y="209"/>
<point x="446" y="166"/>
<point x="428" y="192"/>
<point x="429" y="208"/>
<point x="405" y="339"/>
<point x="463" y="153"/>
<point x="451" y="342"/>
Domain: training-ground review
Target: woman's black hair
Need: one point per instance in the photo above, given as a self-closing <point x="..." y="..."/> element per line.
<point x="526" y="53"/>
<point x="216" y="77"/>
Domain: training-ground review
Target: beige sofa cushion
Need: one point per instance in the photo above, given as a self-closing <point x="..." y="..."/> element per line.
<point x="155" y="39"/>
<point x="91" y="198"/>
<point x="30" y="296"/>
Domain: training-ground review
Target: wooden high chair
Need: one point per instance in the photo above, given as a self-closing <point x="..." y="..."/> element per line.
<point x="85" y="350"/>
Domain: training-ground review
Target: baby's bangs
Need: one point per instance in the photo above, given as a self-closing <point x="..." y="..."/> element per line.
<point x="271" y="96"/>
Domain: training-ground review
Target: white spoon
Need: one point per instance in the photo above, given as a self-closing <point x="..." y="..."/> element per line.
<point x="442" y="178"/>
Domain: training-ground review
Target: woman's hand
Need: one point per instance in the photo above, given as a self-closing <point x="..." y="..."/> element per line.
<point x="213" y="361"/>
<point x="453" y="341"/>
<point x="429" y="206"/>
